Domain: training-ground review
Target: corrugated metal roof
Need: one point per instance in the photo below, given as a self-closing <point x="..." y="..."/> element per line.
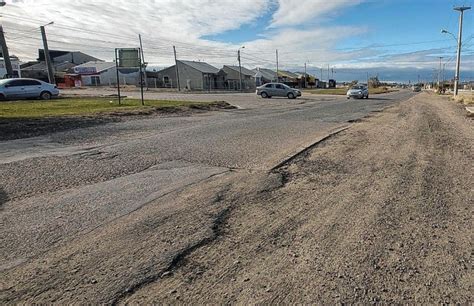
<point x="57" y="66"/>
<point x="245" y="71"/>
<point x="99" y="66"/>
<point x="201" y="66"/>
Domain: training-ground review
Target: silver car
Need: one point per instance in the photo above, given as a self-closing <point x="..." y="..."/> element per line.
<point x="15" y="89"/>
<point x="277" y="90"/>
<point x="358" y="91"/>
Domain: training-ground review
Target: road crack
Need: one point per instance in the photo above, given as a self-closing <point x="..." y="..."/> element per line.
<point x="216" y="231"/>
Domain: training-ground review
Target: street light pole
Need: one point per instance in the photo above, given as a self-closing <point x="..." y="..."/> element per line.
<point x="461" y="10"/>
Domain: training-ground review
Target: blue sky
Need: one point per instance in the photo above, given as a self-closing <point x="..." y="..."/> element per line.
<point x="392" y="27"/>
<point x="387" y="22"/>
<point x="389" y="37"/>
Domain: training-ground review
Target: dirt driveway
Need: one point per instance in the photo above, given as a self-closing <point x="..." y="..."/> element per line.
<point x="381" y="212"/>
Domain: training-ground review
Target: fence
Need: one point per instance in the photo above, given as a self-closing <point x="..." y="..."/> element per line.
<point x="204" y="84"/>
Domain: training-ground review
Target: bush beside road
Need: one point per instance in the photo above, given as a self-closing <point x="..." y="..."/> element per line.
<point x="20" y="119"/>
<point x="465" y="98"/>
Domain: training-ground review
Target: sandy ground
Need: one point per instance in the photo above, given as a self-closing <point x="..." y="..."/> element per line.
<point x="380" y="212"/>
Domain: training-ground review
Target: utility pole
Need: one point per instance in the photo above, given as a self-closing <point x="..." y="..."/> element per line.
<point x="141" y="78"/>
<point x="47" y="57"/>
<point x="118" y="77"/>
<point x="328" y="74"/>
<point x="442" y="75"/>
<point x="177" y="70"/>
<point x="6" y="54"/>
<point x="322" y="78"/>
<point x="143" y="61"/>
<point x="278" y="77"/>
<point x="461" y="10"/>
<point x="439" y="72"/>
<point x="305" y="77"/>
<point x="240" y="69"/>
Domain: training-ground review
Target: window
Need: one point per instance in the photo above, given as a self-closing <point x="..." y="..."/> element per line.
<point x="166" y="79"/>
<point x="269" y="86"/>
<point x="95" y="80"/>
<point x="279" y="86"/>
<point x="31" y="83"/>
<point x="16" y="83"/>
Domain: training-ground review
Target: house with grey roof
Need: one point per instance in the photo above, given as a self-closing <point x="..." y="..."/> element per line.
<point x="232" y="75"/>
<point x="97" y="73"/>
<point x="192" y="76"/>
<point x="263" y="76"/>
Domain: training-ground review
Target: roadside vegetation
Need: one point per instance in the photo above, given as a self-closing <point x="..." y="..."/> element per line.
<point x="466" y="99"/>
<point x="89" y="106"/>
<point x="342" y="91"/>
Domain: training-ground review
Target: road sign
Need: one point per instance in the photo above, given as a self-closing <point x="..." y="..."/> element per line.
<point x="129" y="58"/>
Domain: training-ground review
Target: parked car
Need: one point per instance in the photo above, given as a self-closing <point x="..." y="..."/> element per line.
<point x="416" y="88"/>
<point x="14" y="89"/>
<point x="358" y="91"/>
<point x="277" y="90"/>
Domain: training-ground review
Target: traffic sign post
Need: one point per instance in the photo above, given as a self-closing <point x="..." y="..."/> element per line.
<point x="129" y="58"/>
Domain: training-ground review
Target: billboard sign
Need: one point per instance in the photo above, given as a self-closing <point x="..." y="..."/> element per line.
<point x="129" y="58"/>
<point x="85" y="70"/>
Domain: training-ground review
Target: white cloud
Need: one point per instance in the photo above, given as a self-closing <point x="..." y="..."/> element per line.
<point x="295" y="12"/>
<point x="161" y="22"/>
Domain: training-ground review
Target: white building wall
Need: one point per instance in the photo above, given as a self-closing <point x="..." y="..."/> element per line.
<point x="109" y="77"/>
<point x="15" y="66"/>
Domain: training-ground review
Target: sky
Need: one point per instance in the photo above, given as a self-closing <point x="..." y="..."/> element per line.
<point x="398" y="40"/>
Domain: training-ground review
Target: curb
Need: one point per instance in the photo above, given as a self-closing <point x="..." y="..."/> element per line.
<point x="305" y="149"/>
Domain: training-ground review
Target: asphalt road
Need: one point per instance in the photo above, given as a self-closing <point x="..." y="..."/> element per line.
<point x="56" y="188"/>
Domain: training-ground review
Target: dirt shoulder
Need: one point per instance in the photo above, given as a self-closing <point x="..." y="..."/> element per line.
<point x="380" y="212"/>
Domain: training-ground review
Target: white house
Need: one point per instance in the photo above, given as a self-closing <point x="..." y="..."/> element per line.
<point x="15" y="65"/>
<point x="97" y="73"/>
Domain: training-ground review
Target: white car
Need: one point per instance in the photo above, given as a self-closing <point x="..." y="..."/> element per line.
<point x="358" y="91"/>
<point x="16" y="89"/>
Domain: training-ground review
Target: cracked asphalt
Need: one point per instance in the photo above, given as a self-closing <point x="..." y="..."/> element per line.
<point x="188" y="208"/>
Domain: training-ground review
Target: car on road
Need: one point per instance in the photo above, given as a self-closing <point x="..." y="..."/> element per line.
<point x="22" y="88"/>
<point x="358" y="91"/>
<point x="278" y="90"/>
<point x="416" y="88"/>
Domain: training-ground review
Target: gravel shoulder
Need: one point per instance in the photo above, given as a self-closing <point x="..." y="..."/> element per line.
<point x="381" y="212"/>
